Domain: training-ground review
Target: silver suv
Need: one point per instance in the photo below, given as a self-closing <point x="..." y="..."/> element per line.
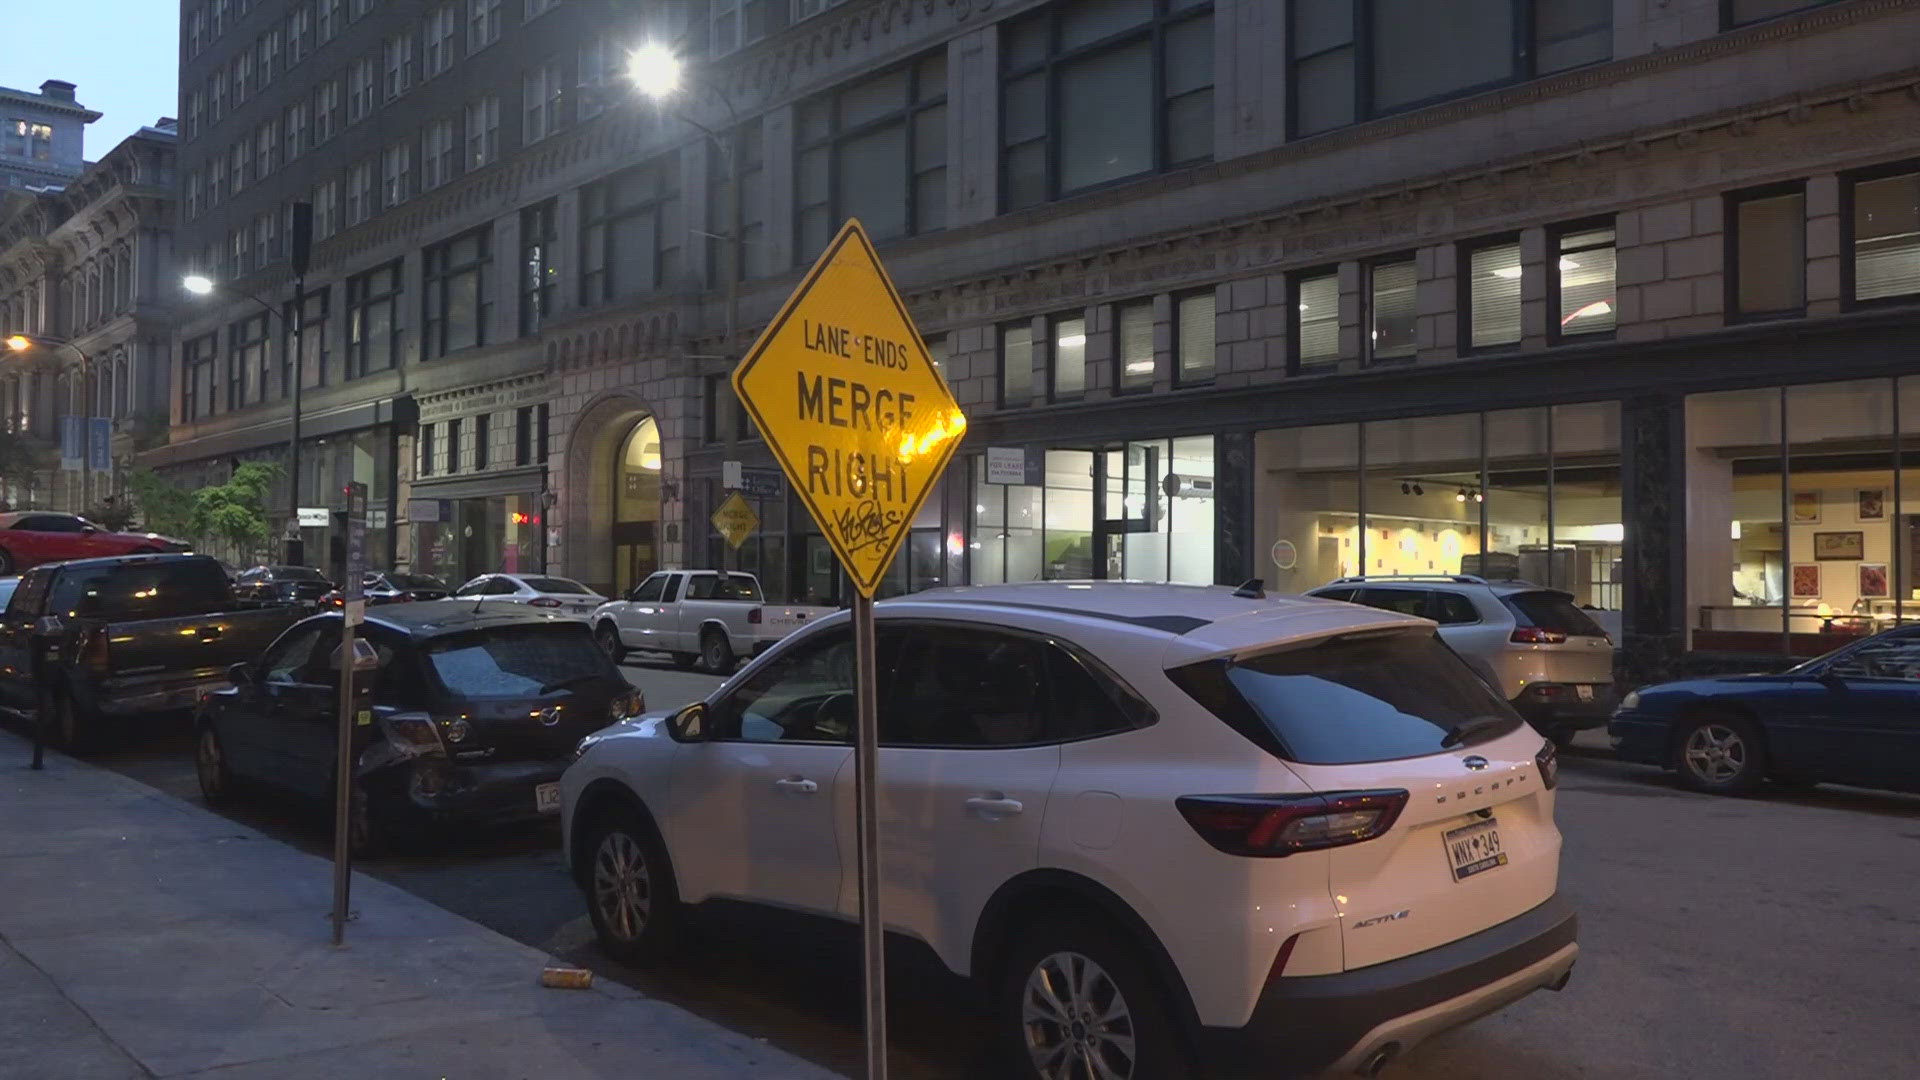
<point x="1530" y="643"/>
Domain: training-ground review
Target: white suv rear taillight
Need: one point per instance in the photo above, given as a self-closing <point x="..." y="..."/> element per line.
<point x="1534" y="635"/>
<point x="1272" y="826"/>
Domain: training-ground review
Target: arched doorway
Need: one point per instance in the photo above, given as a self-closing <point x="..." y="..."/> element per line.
<point x="636" y="506"/>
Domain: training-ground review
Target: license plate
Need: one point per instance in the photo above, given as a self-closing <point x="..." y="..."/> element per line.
<point x="1584" y="693"/>
<point x="1474" y="848"/>
<point x="546" y="798"/>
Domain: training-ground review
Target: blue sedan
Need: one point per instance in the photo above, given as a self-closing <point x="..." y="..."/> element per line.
<point x="1849" y="717"/>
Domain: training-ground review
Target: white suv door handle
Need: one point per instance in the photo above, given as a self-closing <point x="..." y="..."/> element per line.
<point x="994" y="806"/>
<point x="799" y="785"/>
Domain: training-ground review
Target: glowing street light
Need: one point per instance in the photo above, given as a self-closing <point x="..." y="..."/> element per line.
<point x="19" y="343"/>
<point x="654" y="70"/>
<point x="197" y="284"/>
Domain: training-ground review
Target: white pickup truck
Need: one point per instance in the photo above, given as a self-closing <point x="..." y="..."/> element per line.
<point x="710" y="616"/>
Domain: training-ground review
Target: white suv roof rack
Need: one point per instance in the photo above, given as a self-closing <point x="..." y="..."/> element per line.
<point x="1456" y="579"/>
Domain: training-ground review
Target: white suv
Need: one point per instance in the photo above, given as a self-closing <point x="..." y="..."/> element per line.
<point x="1166" y="826"/>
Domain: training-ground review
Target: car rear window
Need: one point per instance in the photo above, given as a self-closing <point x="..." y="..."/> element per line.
<point x="1552" y="611"/>
<point x="1352" y="699"/>
<point x="121" y="592"/>
<point x="297" y="573"/>
<point x="416" y="581"/>
<point x="731" y="587"/>
<point x="555" y="585"/>
<point x="517" y="661"/>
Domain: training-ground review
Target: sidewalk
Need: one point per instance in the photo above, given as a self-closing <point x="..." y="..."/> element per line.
<point x="142" y="936"/>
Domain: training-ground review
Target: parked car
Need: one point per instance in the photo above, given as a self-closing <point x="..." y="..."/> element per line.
<point x="268" y="585"/>
<point x="710" y="616"/>
<point x="1549" y="659"/>
<point x="392" y="587"/>
<point x="29" y="538"/>
<point x="474" y="716"/>
<point x="93" y="640"/>
<point x="1849" y="717"/>
<point x="552" y="595"/>
<point x="1146" y="818"/>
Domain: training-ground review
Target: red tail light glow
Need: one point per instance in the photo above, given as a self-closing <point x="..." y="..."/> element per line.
<point x="1272" y="826"/>
<point x="1533" y="635"/>
<point x="544" y="601"/>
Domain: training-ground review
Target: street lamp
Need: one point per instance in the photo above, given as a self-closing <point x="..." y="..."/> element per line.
<point x="659" y="73"/>
<point x="23" y="343"/>
<point x="300" y="243"/>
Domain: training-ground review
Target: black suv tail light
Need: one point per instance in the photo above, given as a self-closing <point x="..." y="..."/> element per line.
<point x="1272" y="826"/>
<point x="1548" y="761"/>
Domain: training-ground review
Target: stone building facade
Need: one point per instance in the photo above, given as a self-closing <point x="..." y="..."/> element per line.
<point x="1611" y="294"/>
<point x="42" y="137"/>
<point x="87" y="272"/>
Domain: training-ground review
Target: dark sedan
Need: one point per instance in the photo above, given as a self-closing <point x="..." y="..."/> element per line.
<point x="1849" y="717"/>
<point x="263" y="586"/>
<point x="393" y="587"/>
<point x="471" y="717"/>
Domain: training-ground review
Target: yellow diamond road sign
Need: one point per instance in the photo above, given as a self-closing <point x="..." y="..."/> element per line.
<point x="850" y="401"/>
<point x="735" y="520"/>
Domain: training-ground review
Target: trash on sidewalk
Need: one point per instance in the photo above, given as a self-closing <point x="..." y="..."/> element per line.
<point x="563" y="978"/>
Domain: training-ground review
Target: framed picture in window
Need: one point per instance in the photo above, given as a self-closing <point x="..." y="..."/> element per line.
<point x="1806" y="581"/>
<point x="1806" y="508"/>
<point x="1871" y="504"/>
<point x="1873" y="580"/>
<point x="1840" y="546"/>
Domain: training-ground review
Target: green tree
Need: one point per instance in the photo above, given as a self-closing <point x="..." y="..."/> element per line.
<point x="236" y="511"/>
<point x="163" y="506"/>
<point x="23" y="460"/>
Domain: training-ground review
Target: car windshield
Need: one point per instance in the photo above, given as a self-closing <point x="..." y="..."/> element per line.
<point x="556" y="585"/>
<point x="728" y="587"/>
<point x="415" y="581"/>
<point x="1363" y="698"/>
<point x="7" y="585"/>
<point x="1552" y="611"/>
<point x="517" y="661"/>
<point x="297" y="573"/>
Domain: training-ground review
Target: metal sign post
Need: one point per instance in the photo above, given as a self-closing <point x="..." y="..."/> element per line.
<point x="863" y="425"/>
<point x="354" y="611"/>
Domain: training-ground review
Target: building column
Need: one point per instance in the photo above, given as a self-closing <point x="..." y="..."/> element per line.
<point x="1233" y="525"/>
<point x="1653" y="479"/>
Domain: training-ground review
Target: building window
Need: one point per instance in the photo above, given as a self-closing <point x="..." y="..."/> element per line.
<point x="314" y="351"/>
<point x="483" y="131"/>
<point x="1742" y="12"/>
<point x="628" y="240"/>
<point x="483" y="24"/>
<point x="1016" y="365"/>
<point x="240" y="250"/>
<point x="266" y="238"/>
<point x="242" y="76"/>
<point x="455" y="306"/>
<point x="1316" y="312"/>
<point x="453" y="445"/>
<point x="326" y="111"/>
<point x="540" y="434"/>
<point x="198" y="358"/>
<point x="1067" y="358"/>
<point x="1885" y="260"/>
<point x="269" y="49"/>
<point x="1768" y="243"/>
<point x="536" y="8"/>
<point x="442" y="24"/>
<point x="523" y="435"/>
<point x="437" y="156"/>
<point x="1193" y="338"/>
<point x="266" y="146"/>
<point x="326" y="203"/>
<point x="541" y="100"/>
<point x="1492" y="285"/>
<point x="1357" y="59"/>
<point x="712" y="395"/>
<point x="396" y="174"/>
<point x="196" y="31"/>
<point x="1583" y="280"/>
<point x="399" y="64"/>
<point x="196" y="112"/>
<point x="299" y="33"/>
<point x="293" y="128"/>
<point x="247" y="347"/>
<point x="539" y="231"/>
<point x="1390" y="309"/>
<point x="426" y="449"/>
<point x="1133" y="353"/>
<point x="1078" y="81"/>
<point x="240" y="161"/>
<point x="216" y="180"/>
<point x="373" y="323"/>
<point x="600" y="68"/>
<point x="359" y="9"/>
<point x="482" y="431"/>
<point x="877" y="151"/>
<point x="196" y="185"/>
<point x="359" y="90"/>
<point x="217" y="96"/>
<point x="326" y="21"/>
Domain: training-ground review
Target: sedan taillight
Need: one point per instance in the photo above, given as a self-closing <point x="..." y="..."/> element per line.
<point x="1534" y="635"/>
<point x="544" y="601"/>
<point x="1276" y="825"/>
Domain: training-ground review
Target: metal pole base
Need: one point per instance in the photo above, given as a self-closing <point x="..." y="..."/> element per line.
<point x="296" y="553"/>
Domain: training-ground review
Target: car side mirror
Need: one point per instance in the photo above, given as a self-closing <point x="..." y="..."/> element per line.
<point x="240" y="674"/>
<point x="1831" y="679"/>
<point x="88" y="529"/>
<point x="48" y="626"/>
<point x="689" y="724"/>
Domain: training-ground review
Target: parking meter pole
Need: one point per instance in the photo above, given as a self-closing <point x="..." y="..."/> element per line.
<point x="39" y="738"/>
<point x="343" y="785"/>
<point x="867" y="824"/>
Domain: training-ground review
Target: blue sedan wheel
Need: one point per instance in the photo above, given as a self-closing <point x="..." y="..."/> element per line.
<point x="1720" y="755"/>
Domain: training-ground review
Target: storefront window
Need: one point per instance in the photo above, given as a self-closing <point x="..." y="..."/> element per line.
<point x="1436" y="528"/>
<point x="1307" y="506"/>
<point x="1589" y="529"/>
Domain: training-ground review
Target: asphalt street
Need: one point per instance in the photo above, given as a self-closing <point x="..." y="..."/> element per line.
<point x="1721" y="939"/>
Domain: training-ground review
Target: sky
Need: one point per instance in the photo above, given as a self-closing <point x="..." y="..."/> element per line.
<point x="122" y="55"/>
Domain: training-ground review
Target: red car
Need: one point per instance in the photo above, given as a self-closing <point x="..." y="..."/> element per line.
<point x="29" y="538"/>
